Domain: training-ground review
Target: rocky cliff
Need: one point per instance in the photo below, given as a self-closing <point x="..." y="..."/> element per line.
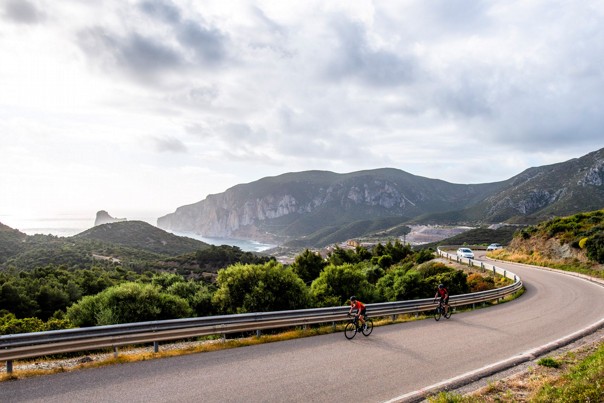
<point x="297" y="204"/>
<point x="103" y="217"/>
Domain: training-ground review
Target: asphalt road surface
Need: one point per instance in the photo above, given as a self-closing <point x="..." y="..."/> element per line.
<point x="393" y="361"/>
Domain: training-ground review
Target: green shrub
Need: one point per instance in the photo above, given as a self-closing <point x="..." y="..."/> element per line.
<point x="259" y="288"/>
<point x="127" y="303"/>
<point x="549" y="362"/>
<point x="595" y="248"/>
<point x="9" y="324"/>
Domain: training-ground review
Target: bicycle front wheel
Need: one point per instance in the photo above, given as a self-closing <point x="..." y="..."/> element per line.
<point x="350" y="330"/>
<point x="437" y="314"/>
<point x="369" y="323"/>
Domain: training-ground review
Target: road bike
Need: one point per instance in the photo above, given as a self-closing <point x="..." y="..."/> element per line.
<point x="440" y="311"/>
<point x="353" y="327"/>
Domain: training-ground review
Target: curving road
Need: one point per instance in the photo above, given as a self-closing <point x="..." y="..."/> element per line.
<point x="394" y="361"/>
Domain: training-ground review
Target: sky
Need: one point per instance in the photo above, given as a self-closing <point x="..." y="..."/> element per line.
<point x="139" y="107"/>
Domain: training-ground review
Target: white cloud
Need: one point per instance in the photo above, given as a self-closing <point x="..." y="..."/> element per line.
<point x="161" y="102"/>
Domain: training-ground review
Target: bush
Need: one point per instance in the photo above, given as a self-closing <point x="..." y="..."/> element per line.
<point x="259" y="288"/>
<point x="9" y="324"/>
<point x="127" y="303"/>
<point x="476" y="282"/>
<point x="549" y="362"/>
<point x="595" y="248"/>
<point x="337" y="283"/>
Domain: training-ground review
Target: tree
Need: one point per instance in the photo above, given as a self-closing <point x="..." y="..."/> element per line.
<point x="16" y="300"/>
<point x="337" y="283"/>
<point x="399" y="283"/>
<point x="51" y="299"/>
<point x="259" y="288"/>
<point x="308" y="265"/>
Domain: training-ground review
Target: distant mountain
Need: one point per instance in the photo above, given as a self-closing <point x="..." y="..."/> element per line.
<point x="314" y="208"/>
<point x="103" y="217"/>
<point x="143" y="236"/>
<point x="542" y="193"/>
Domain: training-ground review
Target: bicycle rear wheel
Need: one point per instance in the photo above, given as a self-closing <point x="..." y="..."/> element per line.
<point x="350" y="330"/>
<point x="369" y="323"/>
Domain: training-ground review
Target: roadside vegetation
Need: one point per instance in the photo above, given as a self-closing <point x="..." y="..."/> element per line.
<point x="57" y="297"/>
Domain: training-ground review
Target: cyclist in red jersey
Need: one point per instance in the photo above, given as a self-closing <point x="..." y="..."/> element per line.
<point x="360" y="308"/>
<point x="443" y="293"/>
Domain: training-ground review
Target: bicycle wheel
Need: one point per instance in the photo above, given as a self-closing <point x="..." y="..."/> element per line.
<point x="369" y="323"/>
<point x="448" y="314"/>
<point x="350" y="330"/>
<point x="437" y="314"/>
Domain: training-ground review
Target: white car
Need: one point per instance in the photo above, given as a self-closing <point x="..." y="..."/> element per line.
<point x="465" y="253"/>
<point x="494" y="246"/>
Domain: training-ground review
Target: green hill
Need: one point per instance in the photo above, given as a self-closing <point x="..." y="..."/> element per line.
<point x="143" y="236"/>
<point x="132" y="243"/>
<point x="12" y="242"/>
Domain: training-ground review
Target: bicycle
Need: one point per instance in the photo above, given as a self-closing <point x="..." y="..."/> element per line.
<point x="440" y="311"/>
<point x="353" y="327"/>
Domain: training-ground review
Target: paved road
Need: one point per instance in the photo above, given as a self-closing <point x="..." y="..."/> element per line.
<point x="393" y="361"/>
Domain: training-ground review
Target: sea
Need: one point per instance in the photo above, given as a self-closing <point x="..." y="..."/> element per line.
<point x="66" y="226"/>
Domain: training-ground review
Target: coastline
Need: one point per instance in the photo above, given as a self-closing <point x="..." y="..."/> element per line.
<point x="67" y="226"/>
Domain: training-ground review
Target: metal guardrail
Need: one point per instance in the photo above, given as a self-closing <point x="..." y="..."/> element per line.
<point x="37" y="344"/>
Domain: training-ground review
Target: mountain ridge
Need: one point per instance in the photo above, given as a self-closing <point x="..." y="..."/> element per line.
<point x="296" y="205"/>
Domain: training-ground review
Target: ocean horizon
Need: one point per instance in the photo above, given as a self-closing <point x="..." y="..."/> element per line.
<point x="72" y="225"/>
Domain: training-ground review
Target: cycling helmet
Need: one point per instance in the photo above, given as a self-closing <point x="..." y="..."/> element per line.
<point x="353" y="298"/>
<point x="441" y="286"/>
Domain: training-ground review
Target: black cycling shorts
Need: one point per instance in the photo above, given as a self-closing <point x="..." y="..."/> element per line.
<point x="444" y="300"/>
<point x="363" y="312"/>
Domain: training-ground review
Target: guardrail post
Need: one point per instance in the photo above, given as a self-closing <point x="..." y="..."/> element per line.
<point x="9" y="366"/>
<point x="115" y="351"/>
<point x="333" y="326"/>
<point x="258" y="333"/>
<point x="155" y="346"/>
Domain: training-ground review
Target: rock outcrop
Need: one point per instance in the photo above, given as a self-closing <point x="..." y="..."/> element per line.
<point x="103" y="217"/>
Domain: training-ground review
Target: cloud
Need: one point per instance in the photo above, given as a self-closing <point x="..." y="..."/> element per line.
<point x="22" y="12"/>
<point x="169" y="144"/>
<point x="142" y="58"/>
<point x="207" y="44"/>
<point x="162" y="10"/>
<point x="356" y="57"/>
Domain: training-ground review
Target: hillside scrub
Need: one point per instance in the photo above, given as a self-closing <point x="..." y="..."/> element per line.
<point x="574" y="243"/>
